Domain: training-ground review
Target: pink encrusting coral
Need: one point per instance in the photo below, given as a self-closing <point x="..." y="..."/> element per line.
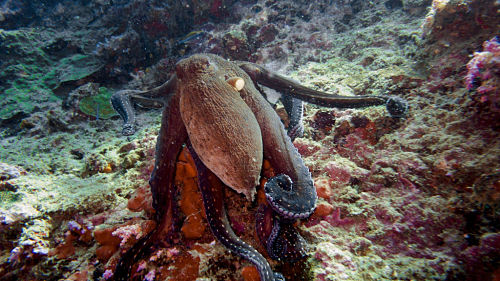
<point x="483" y="74"/>
<point x="415" y="198"/>
<point x="484" y="65"/>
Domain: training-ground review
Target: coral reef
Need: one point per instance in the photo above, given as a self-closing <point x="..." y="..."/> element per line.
<point x="411" y="199"/>
<point x="34" y="71"/>
<point x="483" y="80"/>
<point x="453" y="19"/>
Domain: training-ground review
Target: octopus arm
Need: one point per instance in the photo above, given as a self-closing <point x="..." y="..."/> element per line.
<point x="397" y="107"/>
<point x="171" y="137"/>
<point x="295" y="110"/>
<point x="212" y="190"/>
<point x="122" y="101"/>
<point x="281" y="239"/>
<point x="291" y="193"/>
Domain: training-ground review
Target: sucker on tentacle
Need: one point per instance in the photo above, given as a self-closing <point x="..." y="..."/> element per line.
<point x="281" y="186"/>
<point x="211" y="189"/>
<point x="156" y="97"/>
<point x="281" y="239"/>
<point x="295" y="109"/>
<point x="122" y="104"/>
<point x="287" y="245"/>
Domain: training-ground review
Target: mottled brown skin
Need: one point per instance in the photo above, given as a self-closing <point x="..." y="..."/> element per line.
<point x="222" y="128"/>
<point x="229" y="133"/>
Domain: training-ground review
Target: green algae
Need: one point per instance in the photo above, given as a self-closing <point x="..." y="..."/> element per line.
<point x="23" y="76"/>
<point x="54" y="181"/>
<point x="365" y="61"/>
<point x="54" y="186"/>
<point x="71" y="68"/>
<point x="8" y="197"/>
<point x="30" y="73"/>
<point x="99" y="105"/>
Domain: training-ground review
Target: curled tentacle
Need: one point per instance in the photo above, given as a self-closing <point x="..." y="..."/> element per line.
<point x="288" y="245"/>
<point x="288" y="202"/>
<point x="396" y="106"/>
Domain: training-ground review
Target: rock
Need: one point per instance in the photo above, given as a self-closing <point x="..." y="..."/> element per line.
<point x="8" y="172"/>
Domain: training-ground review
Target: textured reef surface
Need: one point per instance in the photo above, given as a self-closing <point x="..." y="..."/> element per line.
<point x="415" y="198"/>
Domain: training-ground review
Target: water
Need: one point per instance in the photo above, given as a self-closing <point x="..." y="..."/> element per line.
<point x="411" y="197"/>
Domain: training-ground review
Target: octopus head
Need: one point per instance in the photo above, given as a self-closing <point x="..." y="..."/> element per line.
<point x="193" y="66"/>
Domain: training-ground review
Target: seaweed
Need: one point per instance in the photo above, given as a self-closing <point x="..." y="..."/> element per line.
<point x="98" y="105"/>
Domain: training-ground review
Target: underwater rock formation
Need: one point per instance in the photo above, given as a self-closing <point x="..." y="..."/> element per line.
<point x="414" y="199"/>
<point x="483" y="80"/>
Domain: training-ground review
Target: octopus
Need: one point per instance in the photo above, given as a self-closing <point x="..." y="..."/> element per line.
<point x="219" y="111"/>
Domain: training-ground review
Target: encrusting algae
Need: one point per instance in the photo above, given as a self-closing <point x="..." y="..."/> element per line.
<point x="407" y="199"/>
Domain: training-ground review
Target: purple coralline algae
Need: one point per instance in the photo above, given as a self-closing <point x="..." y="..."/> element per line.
<point x="483" y="74"/>
<point x="416" y="198"/>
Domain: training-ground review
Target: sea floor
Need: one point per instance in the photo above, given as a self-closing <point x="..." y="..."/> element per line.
<point x="414" y="198"/>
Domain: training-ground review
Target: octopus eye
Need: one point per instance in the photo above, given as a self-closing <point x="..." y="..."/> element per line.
<point x="236" y="82"/>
